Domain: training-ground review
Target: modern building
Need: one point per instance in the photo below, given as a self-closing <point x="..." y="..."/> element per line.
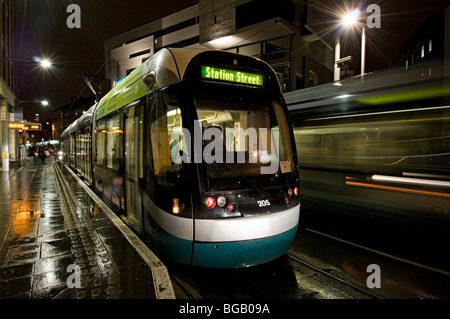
<point x="275" y="31"/>
<point x="430" y="41"/>
<point x="8" y="138"/>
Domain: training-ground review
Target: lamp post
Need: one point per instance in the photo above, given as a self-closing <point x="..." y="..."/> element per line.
<point x="337" y="56"/>
<point x="363" y="50"/>
<point x="349" y="20"/>
<point x="4" y="125"/>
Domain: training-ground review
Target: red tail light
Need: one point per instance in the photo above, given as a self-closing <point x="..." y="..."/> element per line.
<point x="210" y="203"/>
<point x="296" y="191"/>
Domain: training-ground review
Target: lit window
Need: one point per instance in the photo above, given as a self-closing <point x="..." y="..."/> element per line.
<point x="430" y="45"/>
<point x="422" y="51"/>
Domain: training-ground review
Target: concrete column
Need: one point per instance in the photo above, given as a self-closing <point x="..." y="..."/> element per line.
<point x="5" y="146"/>
<point x="4" y="134"/>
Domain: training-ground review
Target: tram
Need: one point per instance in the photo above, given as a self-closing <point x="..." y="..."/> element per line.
<point x="194" y="150"/>
<point x="377" y="147"/>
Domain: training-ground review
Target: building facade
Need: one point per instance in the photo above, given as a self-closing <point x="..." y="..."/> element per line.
<point x="429" y="41"/>
<point x="272" y="31"/>
<point x="8" y="138"/>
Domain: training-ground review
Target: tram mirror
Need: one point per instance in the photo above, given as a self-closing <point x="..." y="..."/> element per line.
<point x="149" y="79"/>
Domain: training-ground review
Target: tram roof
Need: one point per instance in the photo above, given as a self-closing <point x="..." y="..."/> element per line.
<point x="167" y="66"/>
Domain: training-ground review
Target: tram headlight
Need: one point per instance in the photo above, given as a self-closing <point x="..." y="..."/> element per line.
<point x="221" y="201"/>
<point x="290" y="192"/>
<point x="176" y="206"/>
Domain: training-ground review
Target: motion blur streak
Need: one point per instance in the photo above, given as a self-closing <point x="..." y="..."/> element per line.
<point x="399" y="189"/>
<point x="410" y="180"/>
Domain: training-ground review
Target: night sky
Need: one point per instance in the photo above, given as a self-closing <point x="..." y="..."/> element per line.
<point x="41" y="31"/>
<point x="399" y="20"/>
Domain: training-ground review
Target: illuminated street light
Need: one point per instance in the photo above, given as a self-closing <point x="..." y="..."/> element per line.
<point x="37" y="101"/>
<point x="349" y="20"/>
<point x="44" y="63"/>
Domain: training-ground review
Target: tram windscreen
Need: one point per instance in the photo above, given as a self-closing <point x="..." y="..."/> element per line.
<point x="244" y="139"/>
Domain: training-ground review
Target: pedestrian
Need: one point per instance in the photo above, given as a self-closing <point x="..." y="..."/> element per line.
<point x="31" y="156"/>
<point x="41" y="154"/>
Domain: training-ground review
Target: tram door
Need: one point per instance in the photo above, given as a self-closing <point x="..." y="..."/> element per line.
<point x="133" y="131"/>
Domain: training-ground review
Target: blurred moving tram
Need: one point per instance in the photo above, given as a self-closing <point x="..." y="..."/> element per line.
<point x="376" y="148"/>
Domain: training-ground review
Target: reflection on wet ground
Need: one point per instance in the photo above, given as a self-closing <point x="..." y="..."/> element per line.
<point x="41" y="237"/>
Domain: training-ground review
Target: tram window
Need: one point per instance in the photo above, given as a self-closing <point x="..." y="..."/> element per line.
<point x="87" y="141"/>
<point x="248" y="131"/>
<point x="101" y="142"/>
<point x="134" y="142"/>
<point x="78" y="143"/>
<point x="113" y="142"/>
<point x="166" y="137"/>
<point x="72" y="145"/>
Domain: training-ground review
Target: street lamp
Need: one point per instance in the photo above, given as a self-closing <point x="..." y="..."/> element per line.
<point x="44" y="63"/>
<point x="349" y="20"/>
<point x="37" y="101"/>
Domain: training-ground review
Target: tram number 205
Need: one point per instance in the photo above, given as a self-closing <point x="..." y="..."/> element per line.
<point x="263" y="203"/>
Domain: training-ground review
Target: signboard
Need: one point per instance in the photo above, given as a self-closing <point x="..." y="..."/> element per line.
<point x="231" y="76"/>
<point x="25" y="126"/>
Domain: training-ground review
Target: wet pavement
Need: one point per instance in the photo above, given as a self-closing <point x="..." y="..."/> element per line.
<point x="56" y="242"/>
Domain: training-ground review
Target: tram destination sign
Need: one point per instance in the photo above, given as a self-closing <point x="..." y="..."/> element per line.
<point x="231" y="76"/>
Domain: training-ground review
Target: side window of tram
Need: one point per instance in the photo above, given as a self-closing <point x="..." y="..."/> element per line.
<point x="113" y="143"/>
<point x="101" y="142"/>
<point x="165" y="120"/>
<point x="72" y="145"/>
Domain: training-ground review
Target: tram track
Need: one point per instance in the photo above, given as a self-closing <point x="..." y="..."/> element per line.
<point x="381" y="253"/>
<point x="340" y="281"/>
<point x="66" y="201"/>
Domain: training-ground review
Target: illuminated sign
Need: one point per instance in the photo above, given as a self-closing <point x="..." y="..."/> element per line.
<point x="16" y="126"/>
<point x="238" y="77"/>
<point x="118" y="81"/>
<point x="24" y="126"/>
